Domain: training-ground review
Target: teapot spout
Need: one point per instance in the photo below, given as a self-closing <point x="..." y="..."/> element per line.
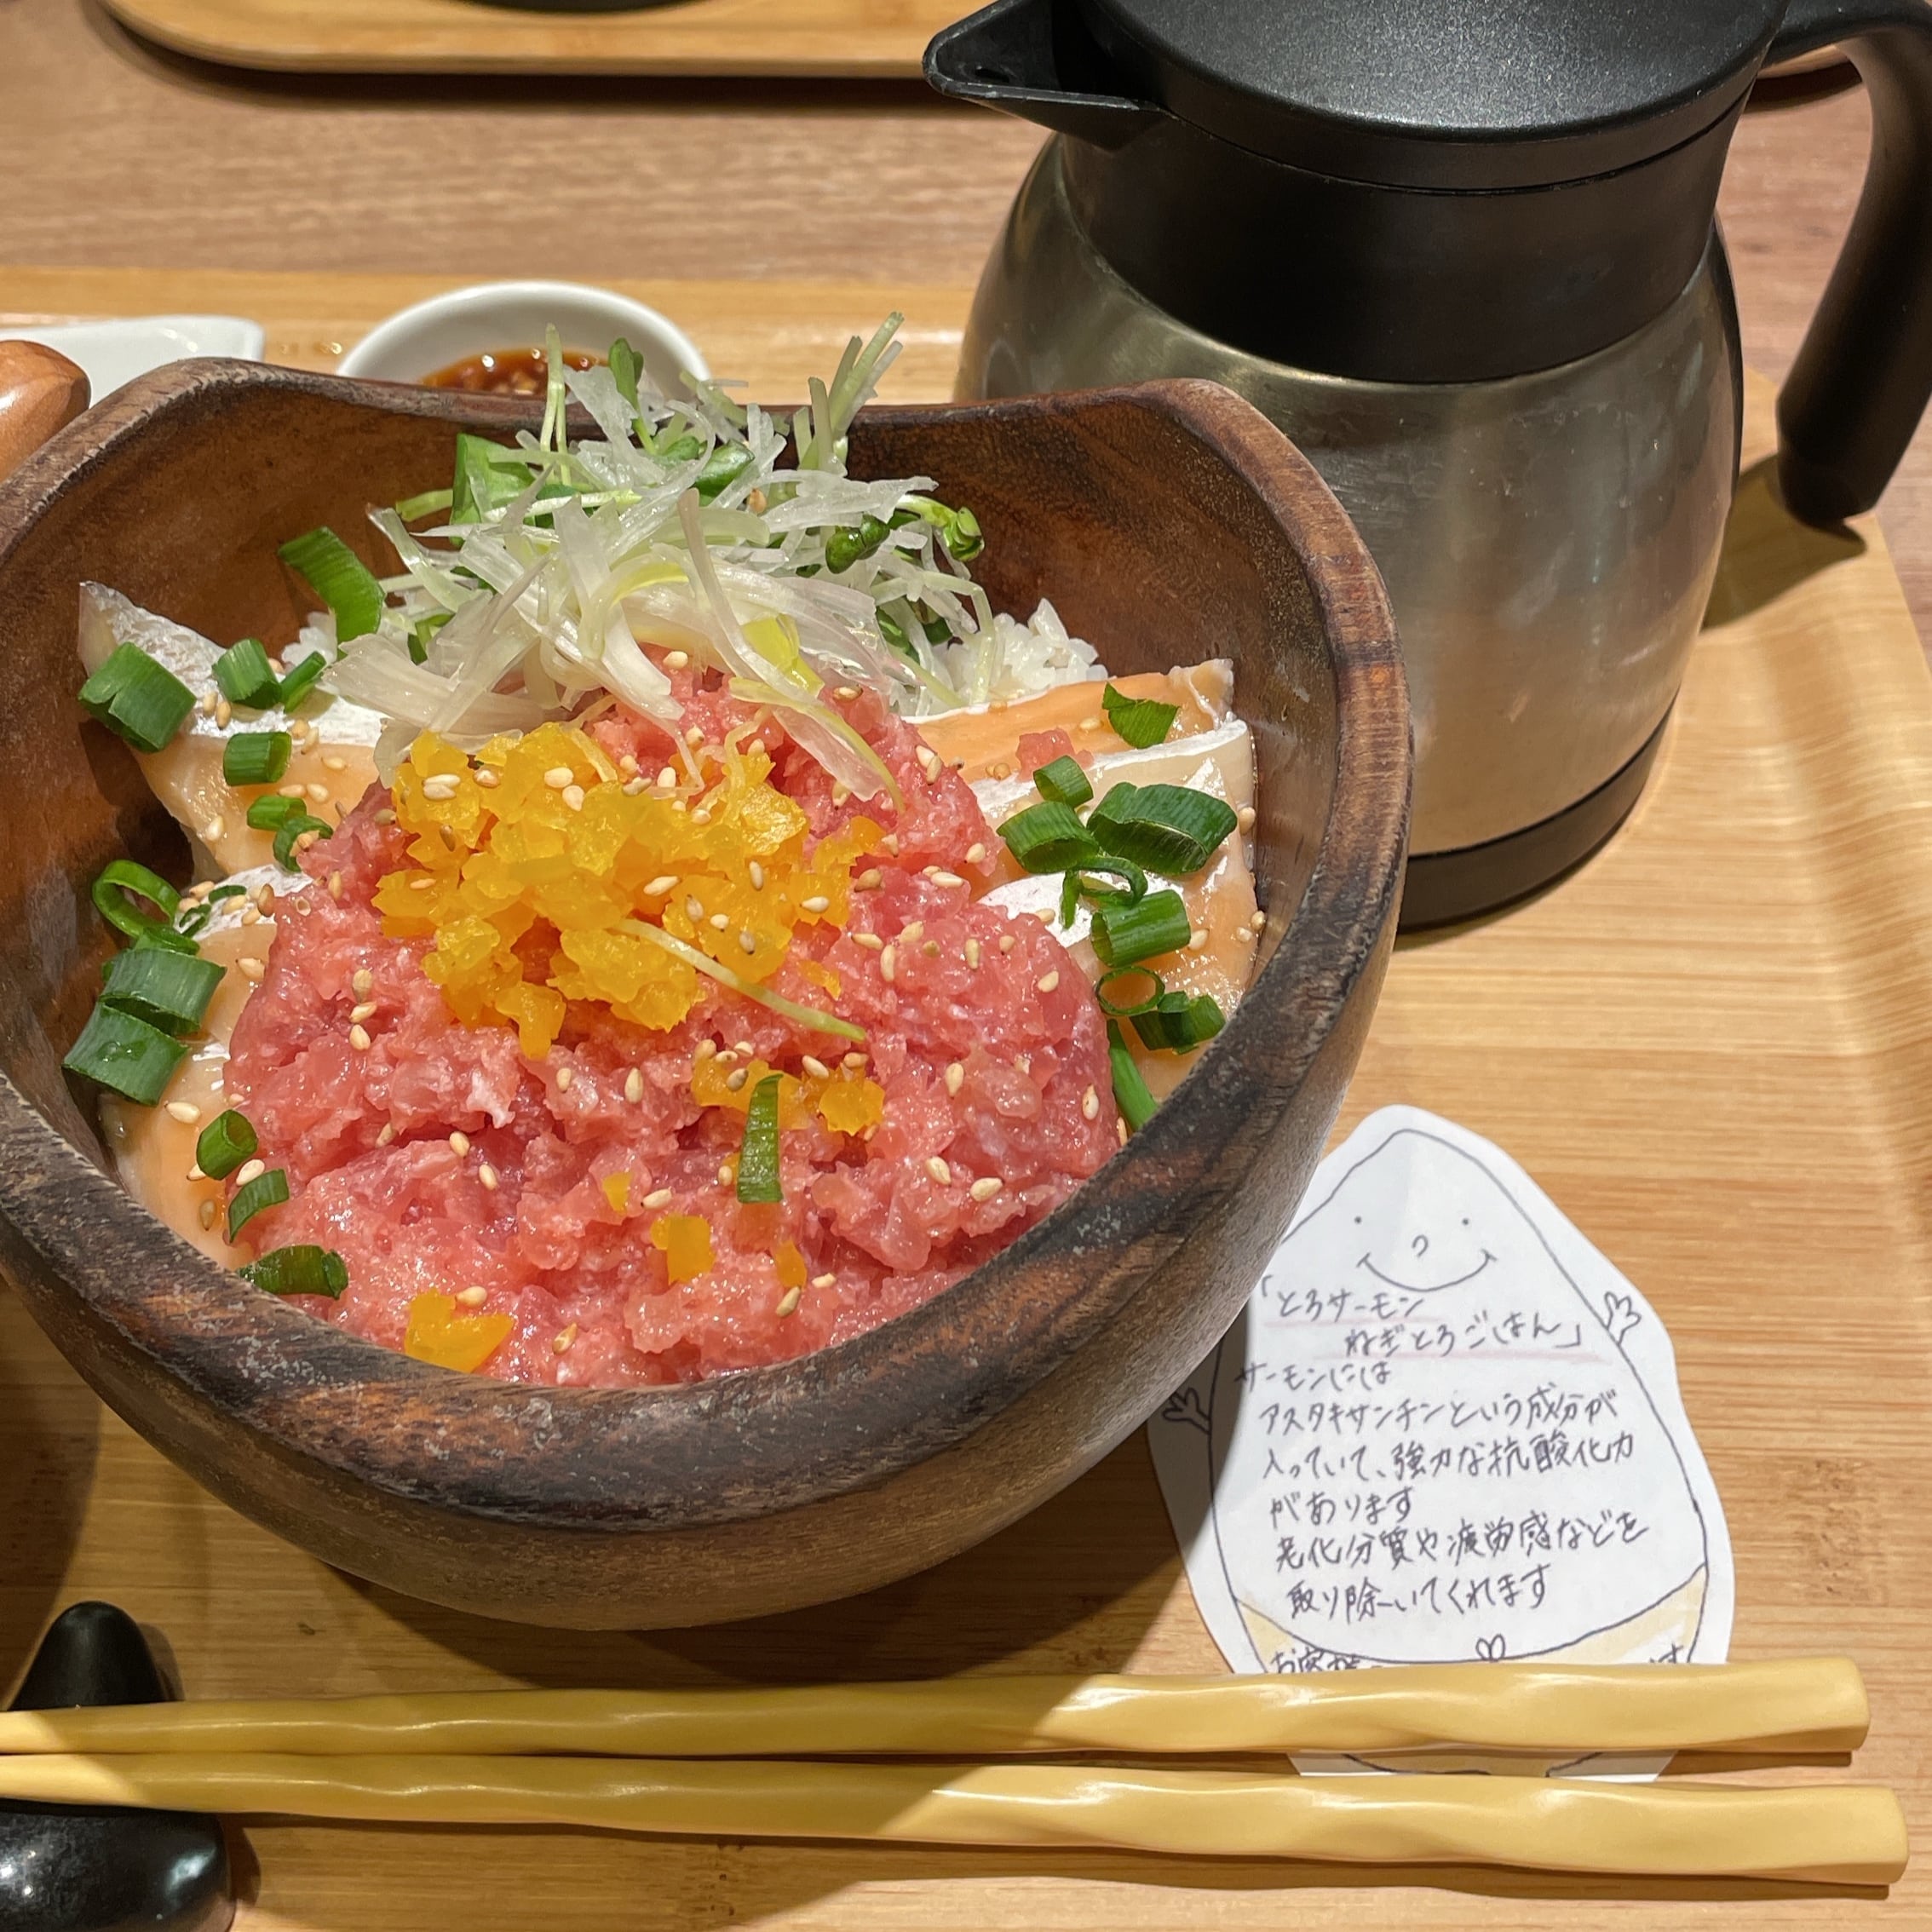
<point x="1020" y="55"/>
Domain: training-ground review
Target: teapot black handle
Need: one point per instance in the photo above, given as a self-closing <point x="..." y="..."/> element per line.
<point x="1863" y="376"/>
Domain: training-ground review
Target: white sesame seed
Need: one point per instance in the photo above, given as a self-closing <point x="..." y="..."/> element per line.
<point x="955" y="1078"/>
<point x="265" y="899"/>
<point x="293" y="791"/>
<point x="975" y="852"/>
<point x="928" y="760"/>
<point x="815" y="1068"/>
<point x="558" y="777"/>
<point x="564" y="1338"/>
<point x="1245" y="817"/>
<point x="657" y="1198"/>
<point x="747" y="942"/>
<point x="214" y="829"/>
<point x="249" y="1171"/>
<point x="334" y="885"/>
<point x="363" y="1009"/>
<point x="194" y="1172"/>
<point x="209" y="699"/>
<point x="676" y="660"/>
<point x="667" y="777"/>
<point x="719" y="921"/>
<point x="757" y="872"/>
<point x="1002" y="770"/>
<point x="1048" y="981"/>
<point x="854" y="1060"/>
<point x="251" y="970"/>
<point x="573" y="796"/>
<point x="443" y="785"/>
<point x="702" y="816"/>
<point x="788" y="1302"/>
<point x="973" y="954"/>
<point x="422" y="883"/>
<point x="473" y="1297"/>
<point x="1090" y="723"/>
<point x="1120" y="1129"/>
<point x="985" y="1186"/>
<point x="223" y="712"/>
<point x="388" y="1134"/>
<point x="930" y="948"/>
<point x="564" y="1079"/>
<point x="1089" y="1104"/>
<point x="459" y="1143"/>
<point x="890" y="845"/>
<point x="333" y="762"/>
<point x="1006" y="942"/>
<point x="1258" y="921"/>
<point x="363" y="980"/>
<point x="840" y="793"/>
<point x="205" y="1213"/>
<point x="939" y="1170"/>
<point x="845" y="693"/>
<point x="888" y="965"/>
<point x="694" y="907"/>
<point x="488" y="1175"/>
<point x="705" y="1049"/>
<point x="186" y="1112"/>
<point x="1196" y="939"/>
<point x="358" y="1038"/>
<point x="913" y="931"/>
<point x="727" y="1174"/>
<point x="632" y="787"/>
<point x="745" y="1047"/>
<point x="1246" y="935"/>
<point x="252" y="915"/>
<point x="870" y="880"/>
<point x="694" y="736"/>
<point x="870" y="941"/>
<point x="817" y="903"/>
<point x="486" y="776"/>
<point x="736" y="1079"/>
<point x="634" y="1086"/>
<point x="823" y="1281"/>
<point x="947" y="879"/>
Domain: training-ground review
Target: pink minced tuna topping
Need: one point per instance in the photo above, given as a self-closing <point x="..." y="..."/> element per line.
<point x="438" y="1158"/>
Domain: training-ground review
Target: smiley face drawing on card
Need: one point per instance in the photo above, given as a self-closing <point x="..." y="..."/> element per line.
<point x="1446" y="1429"/>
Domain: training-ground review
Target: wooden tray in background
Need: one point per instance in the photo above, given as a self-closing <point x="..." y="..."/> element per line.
<point x="1713" y="1045"/>
<point x="811" y="39"/>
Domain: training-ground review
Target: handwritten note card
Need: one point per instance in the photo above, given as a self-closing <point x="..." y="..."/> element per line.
<point x="1445" y="1427"/>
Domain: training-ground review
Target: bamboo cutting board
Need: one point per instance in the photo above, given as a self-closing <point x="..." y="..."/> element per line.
<point x="816" y="39"/>
<point x="1712" y="1045"/>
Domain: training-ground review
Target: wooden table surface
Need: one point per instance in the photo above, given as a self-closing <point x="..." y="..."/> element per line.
<point x="119" y="155"/>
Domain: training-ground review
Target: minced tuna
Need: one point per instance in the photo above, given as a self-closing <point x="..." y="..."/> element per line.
<point x="519" y="1121"/>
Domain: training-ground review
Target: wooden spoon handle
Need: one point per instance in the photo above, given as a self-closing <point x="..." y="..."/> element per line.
<point x="40" y="392"/>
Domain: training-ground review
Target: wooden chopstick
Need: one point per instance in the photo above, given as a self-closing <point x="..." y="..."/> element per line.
<point x="1797" y="1705"/>
<point x="1842" y="1834"/>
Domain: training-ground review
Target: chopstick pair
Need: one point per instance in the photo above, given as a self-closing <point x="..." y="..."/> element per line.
<point x="721" y="1764"/>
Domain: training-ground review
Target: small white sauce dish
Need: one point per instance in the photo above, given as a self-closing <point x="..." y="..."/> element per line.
<point x="428" y="336"/>
<point x="114" y="353"/>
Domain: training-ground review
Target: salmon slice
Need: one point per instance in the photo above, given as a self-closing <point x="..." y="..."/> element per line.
<point x="334" y="761"/>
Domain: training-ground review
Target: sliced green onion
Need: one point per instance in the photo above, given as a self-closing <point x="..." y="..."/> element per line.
<point x="938" y="630"/>
<point x="960" y="533"/>
<point x="255" y="757"/>
<point x="272" y="813"/>
<point x="723" y="467"/>
<point x="137" y="697"/>
<point x="224" y="1144"/>
<point x="244" y="673"/>
<point x="487" y="476"/>
<point x="168" y="989"/>
<point x="339" y="578"/>
<point x="1140" y="722"/>
<point x="300" y="1270"/>
<point x="1130" y="1093"/>
<point x="896" y="634"/>
<point x="291" y="829"/>
<point x="422" y="631"/>
<point x="426" y="504"/>
<point x="1124" y="935"/>
<point x="847" y="546"/>
<point x="1069" y="898"/>
<point x="264" y="1191"/>
<point x="1177" y="1022"/>
<point x="758" y="1158"/>
<point x="298" y="683"/>
<point x="1111" y="1007"/>
<point x="121" y="877"/>
<point x="1047" y="837"/>
<point x="125" y="1055"/>
<point x="1131" y="891"/>
<point x="1171" y="829"/>
<point x="1062" y="782"/>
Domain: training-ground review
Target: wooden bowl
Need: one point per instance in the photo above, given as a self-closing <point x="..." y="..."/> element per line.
<point x="1168" y="522"/>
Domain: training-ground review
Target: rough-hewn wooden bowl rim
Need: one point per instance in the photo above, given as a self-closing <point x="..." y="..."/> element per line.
<point x="849" y="1416"/>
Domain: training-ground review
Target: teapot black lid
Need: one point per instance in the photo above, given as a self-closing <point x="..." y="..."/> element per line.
<point x="1441" y="93"/>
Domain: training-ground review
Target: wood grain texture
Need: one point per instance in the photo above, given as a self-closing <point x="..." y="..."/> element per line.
<point x="1712" y="1045"/>
<point x="867" y="38"/>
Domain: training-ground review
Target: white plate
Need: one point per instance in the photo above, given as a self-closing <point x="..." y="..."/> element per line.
<point x="114" y="353"/>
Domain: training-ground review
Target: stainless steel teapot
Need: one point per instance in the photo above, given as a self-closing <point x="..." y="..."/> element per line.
<point x="1465" y="253"/>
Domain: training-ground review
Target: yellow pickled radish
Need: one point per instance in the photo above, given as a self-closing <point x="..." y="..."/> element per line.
<point x="438" y="1333"/>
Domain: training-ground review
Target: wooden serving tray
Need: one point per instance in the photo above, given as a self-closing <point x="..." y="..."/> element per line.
<point x="815" y="39"/>
<point x="1712" y="1045"/>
